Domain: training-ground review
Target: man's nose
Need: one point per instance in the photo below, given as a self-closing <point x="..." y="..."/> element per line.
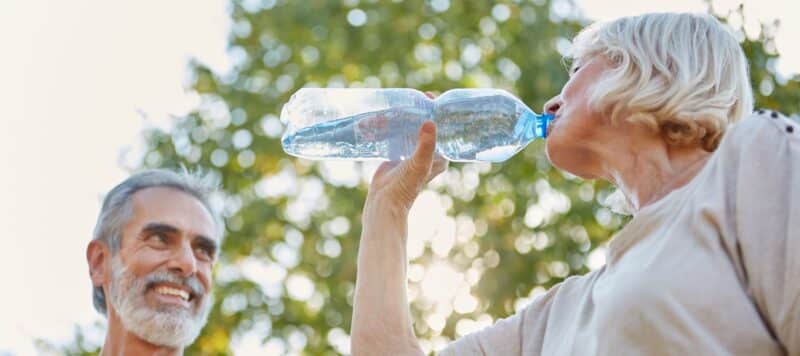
<point x="551" y="106"/>
<point x="183" y="261"/>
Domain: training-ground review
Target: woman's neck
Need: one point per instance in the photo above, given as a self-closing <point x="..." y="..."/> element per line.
<point x="645" y="176"/>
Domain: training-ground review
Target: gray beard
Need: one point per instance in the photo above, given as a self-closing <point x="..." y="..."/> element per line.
<point x="166" y="325"/>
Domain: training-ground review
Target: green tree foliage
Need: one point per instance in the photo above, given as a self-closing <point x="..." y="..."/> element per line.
<point x="495" y="235"/>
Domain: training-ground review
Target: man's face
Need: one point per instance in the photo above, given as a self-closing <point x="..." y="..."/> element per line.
<point x="162" y="273"/>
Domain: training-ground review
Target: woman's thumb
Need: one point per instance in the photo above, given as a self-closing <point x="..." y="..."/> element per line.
<point x="419" y="166"/>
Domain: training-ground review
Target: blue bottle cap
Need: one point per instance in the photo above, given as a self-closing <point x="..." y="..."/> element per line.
<point x="543" y="123"/>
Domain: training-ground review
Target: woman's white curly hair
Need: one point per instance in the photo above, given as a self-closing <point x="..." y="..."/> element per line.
<point x="680" y="73"/>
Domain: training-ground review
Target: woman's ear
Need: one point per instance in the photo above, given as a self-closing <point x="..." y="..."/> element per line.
<point x="97" y="255"/>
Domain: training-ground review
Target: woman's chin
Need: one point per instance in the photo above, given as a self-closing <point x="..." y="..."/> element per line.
<point x="569" y="160"/>
<point x="555" y="150"/>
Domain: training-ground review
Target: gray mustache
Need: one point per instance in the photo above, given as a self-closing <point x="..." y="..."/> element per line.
<point x="191" y="282"/>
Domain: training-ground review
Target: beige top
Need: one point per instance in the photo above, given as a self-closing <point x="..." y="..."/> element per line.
<point x="713" y="268"/>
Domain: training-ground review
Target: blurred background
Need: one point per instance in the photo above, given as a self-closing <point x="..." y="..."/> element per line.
<point x="93" y="90"/>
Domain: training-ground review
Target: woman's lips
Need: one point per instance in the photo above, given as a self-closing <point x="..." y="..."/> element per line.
<point x="552" y="124"/>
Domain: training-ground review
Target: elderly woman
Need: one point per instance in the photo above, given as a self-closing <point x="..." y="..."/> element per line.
<point x="710" y="262"/>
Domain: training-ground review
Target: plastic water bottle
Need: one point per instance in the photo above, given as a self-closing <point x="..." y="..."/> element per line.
<point x="383" y="124"/>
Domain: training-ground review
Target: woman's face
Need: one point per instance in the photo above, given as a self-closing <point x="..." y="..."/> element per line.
<point x="578" y="134"/>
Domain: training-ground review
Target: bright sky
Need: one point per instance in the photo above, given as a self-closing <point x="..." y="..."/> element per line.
<point x="75" y="77"/>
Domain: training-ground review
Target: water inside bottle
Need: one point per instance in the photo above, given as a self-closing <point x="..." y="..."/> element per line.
<point x="385" y="134"/>
<point x="488" y="128"/>
<point x="497" y="154"/>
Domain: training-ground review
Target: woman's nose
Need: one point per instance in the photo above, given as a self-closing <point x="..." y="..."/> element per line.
<point x="551" y="106"/>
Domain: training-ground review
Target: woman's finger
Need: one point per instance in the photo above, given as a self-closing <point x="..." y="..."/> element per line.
<point x="440" y="165"/>
<point x="420" y="163"/>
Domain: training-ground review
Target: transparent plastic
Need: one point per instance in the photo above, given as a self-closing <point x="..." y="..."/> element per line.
<point x="382" y="124"/>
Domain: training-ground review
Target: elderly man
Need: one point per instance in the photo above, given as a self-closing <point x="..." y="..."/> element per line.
<point x="150" y="261"/>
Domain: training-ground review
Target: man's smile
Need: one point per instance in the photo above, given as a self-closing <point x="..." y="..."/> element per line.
<point x="173" y="294"/>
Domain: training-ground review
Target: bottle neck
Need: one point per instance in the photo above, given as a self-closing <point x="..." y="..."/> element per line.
<point x="535" y="125"/>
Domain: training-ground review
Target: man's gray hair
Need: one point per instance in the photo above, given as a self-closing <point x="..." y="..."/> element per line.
<point x="117" y="208"/>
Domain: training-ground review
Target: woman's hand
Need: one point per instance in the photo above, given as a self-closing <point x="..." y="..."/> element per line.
<point x="396" y="184"/>
<point x="381" y="322"/>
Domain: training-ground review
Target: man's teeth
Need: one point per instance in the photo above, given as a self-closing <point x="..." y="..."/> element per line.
<point x="173" y="291"/>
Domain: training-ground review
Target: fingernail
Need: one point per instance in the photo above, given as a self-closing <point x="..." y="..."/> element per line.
<point x="427" y="127"/>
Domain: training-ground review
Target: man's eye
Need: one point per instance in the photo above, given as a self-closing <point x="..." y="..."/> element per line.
<point x="159" y="238"/>
<point x="203" y="252"/>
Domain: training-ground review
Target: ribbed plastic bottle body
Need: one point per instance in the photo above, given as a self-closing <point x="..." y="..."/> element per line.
<point x="482" y="125"/>
<point x="383" y="124"/>
<point x="354" y="124"/>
